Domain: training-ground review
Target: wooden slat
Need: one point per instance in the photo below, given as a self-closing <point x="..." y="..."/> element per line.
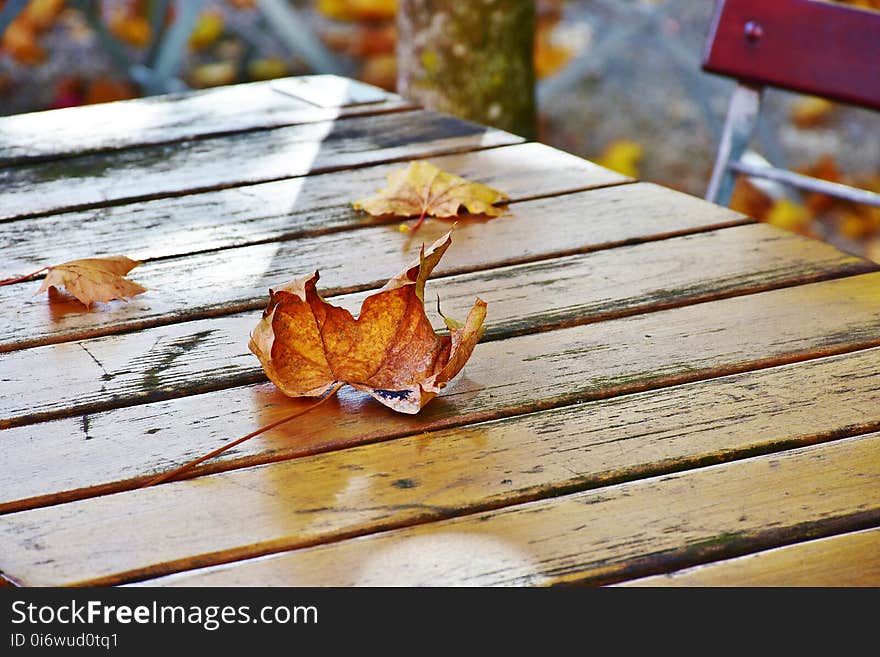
<point x="653" y="524"/>
<point x="602" y="535"/>
<point x="708" y="419"/>
<point x="237" y="159"/>
<point x="652" y="391"/>
<point x="850" y="560"/>
<point x="163" y="119"/>
<point x="196" y="356"/>
<point x="298" y="207"/>
<point x="585" y="362"/>
<point x="239" y="279"/>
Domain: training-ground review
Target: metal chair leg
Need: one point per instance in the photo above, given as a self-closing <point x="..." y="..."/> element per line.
<point x="742" y="116"/>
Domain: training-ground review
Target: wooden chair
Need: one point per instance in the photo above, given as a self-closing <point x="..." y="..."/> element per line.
<point x="807" y="46"/>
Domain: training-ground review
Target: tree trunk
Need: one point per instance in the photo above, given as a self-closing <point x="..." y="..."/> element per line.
<point x="470" y="59"/>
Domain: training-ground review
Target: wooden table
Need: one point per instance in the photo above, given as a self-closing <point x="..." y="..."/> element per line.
<point x="667" y="392"/>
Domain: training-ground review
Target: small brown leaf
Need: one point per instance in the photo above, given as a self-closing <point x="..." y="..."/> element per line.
<point x="94" y="279"/>
<point x="423" y="189"/>
<point x="307" y="346"/>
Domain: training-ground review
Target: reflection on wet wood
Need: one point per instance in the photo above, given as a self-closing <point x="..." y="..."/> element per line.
<point x="101" y="179"/>
<point x="164" y="119"/>
<point x="667" y="391"/>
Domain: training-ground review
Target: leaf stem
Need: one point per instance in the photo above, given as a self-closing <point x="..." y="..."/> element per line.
<point x="19" y="279"/>
<point x="420" y="221"/>
<point x="187" y="466"/>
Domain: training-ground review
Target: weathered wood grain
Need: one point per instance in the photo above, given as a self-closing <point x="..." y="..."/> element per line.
<point x="191" y="357"/>
<point x="654" y="524"/>
<point x="592" y="361"/>
<point x="599" y="536"/>
<point x="231" y="280"/>
<point x="237" y="159"/>
<point x="851" y="560"/>
<point x="285" y="209"/>
<point x="654" y="393"/>
<point x="791" y="404"/>
<point x="164" y="119"/>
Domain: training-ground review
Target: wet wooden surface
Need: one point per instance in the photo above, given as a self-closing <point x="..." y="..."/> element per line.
<point x="667" y="392"/>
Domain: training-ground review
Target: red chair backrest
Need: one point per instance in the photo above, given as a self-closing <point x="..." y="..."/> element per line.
<point x="807" y="46"/>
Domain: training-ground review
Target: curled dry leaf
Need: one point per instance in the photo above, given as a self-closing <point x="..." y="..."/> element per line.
<point x="311" y="348"/>
<point x="423" y="189"/>
<point x="307" y="346"/>
<point x="94" y="279"/>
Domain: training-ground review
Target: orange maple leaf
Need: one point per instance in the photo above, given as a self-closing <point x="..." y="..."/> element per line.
<point x="307" y="346"/>
<point x="310" y="348"/>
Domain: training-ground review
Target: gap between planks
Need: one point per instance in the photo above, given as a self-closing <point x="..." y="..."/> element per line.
<point x="528" y="305"/>
<point x="231" y="464"/>
<point x="220" y="311"/>
<point x="850" y="559"/>
<point x="213" y="285"/>
<point x="257" y="106"/>
<point x="696" y="424"/>
<point x="820" y="492"/>
<point x="576" y="546"/>
<point x="301" y="208"/>
<point x="154" y="172"/>
<point x="614" y="372"/>
<point x="312" y="204"/>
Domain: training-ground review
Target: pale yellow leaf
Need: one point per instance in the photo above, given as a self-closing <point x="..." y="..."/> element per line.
<point x="423" y="189"/>
<point x="94" y="279"/>
<point x="623" y="156"/>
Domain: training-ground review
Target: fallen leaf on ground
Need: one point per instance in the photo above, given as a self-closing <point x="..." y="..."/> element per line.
<point x="94" y="279"/>
<point x="106" y="90"/>
<point x="811" y="111"/>
<point x="41" y="14"/>
<point x="307" y="346"/>
<point x="267" y="68"/>
<point x="132" y="29"/>
<point x="214" y="74"/>
<point x="820" y="216"/>
<point x="380" y="71"/>
<point x="623" y="156"/>
<point x="19" y="41"/>
<point x="362" y="40"/>
<point x="550" y="53"/>
<point x="789" y="215"/>
<point x="208" y="28"/>
<point x="358" y="10"/>
<point x="824" y="168"/>
<point x="749" y="199"/>
<point x="423" y="189"/>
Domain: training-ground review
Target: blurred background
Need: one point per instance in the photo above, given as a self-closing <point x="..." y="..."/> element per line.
<point x="616" y="81"/>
